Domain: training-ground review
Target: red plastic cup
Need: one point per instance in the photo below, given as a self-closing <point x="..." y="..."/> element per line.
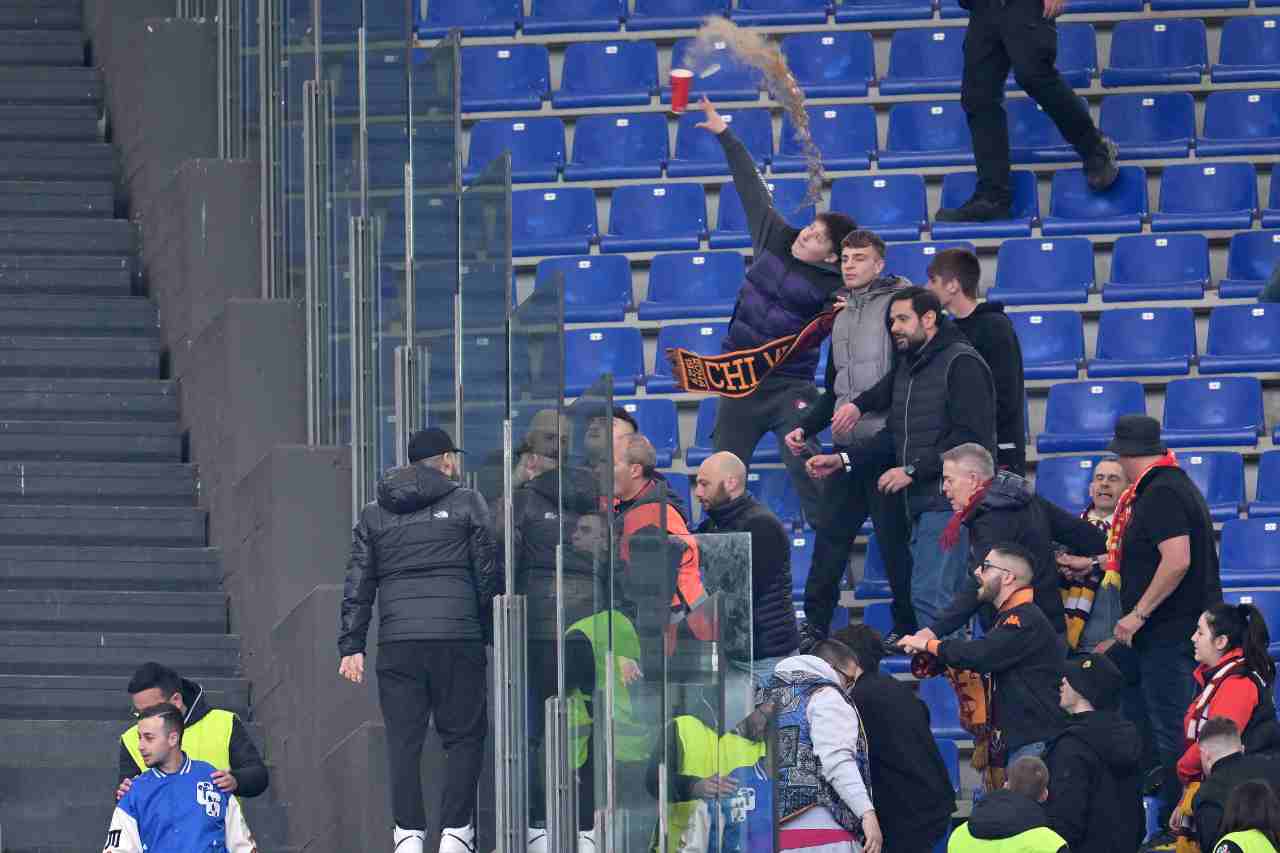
<point x="681" y="80"/>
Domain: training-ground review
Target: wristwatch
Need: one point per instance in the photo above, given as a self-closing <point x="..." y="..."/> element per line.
<point x="909" y="470"/>
<point x="1095" y="564"/>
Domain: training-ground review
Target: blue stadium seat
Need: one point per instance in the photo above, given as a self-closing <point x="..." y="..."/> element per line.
<point x="772" y="487"/>
<point x="1267" y="504"/>
<point x="1052" y="343"/>
<point x="893" y="206"/>
<point x="927" y="133"/>
<point x="1213" y="411"/>
<point x="536" y="146"/>
<point x="679" y="483"/>
<point x="1162" y="52"/>
<point x="685" y="285"/>
<point x="731" y="222"/>
<point x="1242" y="339"/>
<point x="949" y="9"/>
<point x="506" y="77"/>
<point x="911" y="260"/>
<point x="482" y="18"/>
<point x="1034" y="271"/>
<point x="702" y="338"/>
<point x="574" y="16"/>
<point x="924" y="60"/>
<point x="1219" y="474"/>
<point x="1064" y="480"/>
<point x="607" y="74"/>
<point x="944" y="709"/>
<point x="1076" y="209"/>
<point x="618" y="146"/>
<point x="1250" y="553"/>
<point x="958" y="187"/>
<point x="653" y="217"/>
<point x="1196" y="196"/>
<point x="875" y="579"/>
<point x="590" y="352"/>
<point x="659" y="423"/>
<point x="1268" y="602"/>
<point x="1151" y="266"/>
<point x="1076" y="7"/>
<point x="1142" y="341"/>
<point x="1250" y="50"/>
<point x="734" y="81"/>
<point x="674" y="14"/>
<point x="552" y="222"/>
<point x="844" y="133"/>
<point x="880" y="617"/>
<point x="856" y="11"/>
<point x="1081" y="416"/>
<point x="1077" y="60"/>
<point x="704" y="445"/>
<point x="1033" y="137"/>
<point x="831" y="64"/>
<point x="950" y="752"/>
<point x="1251" y="257"/>
<point x="597" y="288"/>
<point x="801" y="559"/>
<point x="1271" y="213"/>
<point x="1149" y="126"/>
<point x="1240" y="123"/>
<point x="699" y="152"/>
<point x="762" y="13"/>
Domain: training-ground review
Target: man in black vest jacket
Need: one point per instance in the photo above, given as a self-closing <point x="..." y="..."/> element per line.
<point x="939" y="395"/>
<point x="1225" y="766"/>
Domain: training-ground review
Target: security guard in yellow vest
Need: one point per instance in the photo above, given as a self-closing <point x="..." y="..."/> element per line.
<point x="631" y="739"/>
<point x="1012" y="819"/>
<point x="1244" y="841"/>
<point x="212" y="735"/>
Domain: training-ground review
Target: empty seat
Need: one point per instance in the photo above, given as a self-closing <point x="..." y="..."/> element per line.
<point x="731" y="222"/>
<point x="588" y="353"/>
<point x="704" y="445"/>
<point x="944" y="709"/>
<point x="702" y="338"/>
<point x="655" y="218"/>
<point x="1074" y="7"/>
<point x="801" y="559"/>
<point x="1267" y="503"/>
<point x="950" y="752"/>
<point x="875" y="579"/>
<point x="831" y="65"/>
<point x="1149" y="126"/>
<point x="1219" y="474"/>
<point x="844" y="133"/>
<point x="1242" y="339"/>
<point x="1148" y="266"/>
<point x="1081" y="416"/>
<point x="854" y="11"/>
<point x="1250" y="553"/>
<point x="734" y="81"/>
<point x="893" y="206"/>
<point x="674" y="14"/>
<point x="1064" y="480"/>
<point x="1250" y="50"/>
<point x="927" y="134"/>
<point x="758" y="13"/>
<point x="618" y="146"/>
<point x="685" y="285"/>
<point x="1271" y="213"/>
<point x="597" y="288"/>
<point x="510" y="77"/>
<point x="1194" y="196"/>
<point x="473" y="17"/>
<point x="1251" y="257"/>
<point x="1268" y="603"/>
<point x="1033" y="136"/>
<point x="1142" y="341"/>
<point x="574" y="16"/>
<point x="1077" y="60"/>
<point x="552" y="222"/>
<point x="911" y="260"/>
<point x="1076" y="209"/>
<point x="880" y="617"/>
<point x="660" y="424"/>
<point x="536" y="146"/>
<point x="1206" y="412"/>
<point x="1052" y="343"/>
<point x="1162" y="52"/>
<point x="1035" y="271"/>
<point x="772" y="487"/>
<point x="1240" y="123"/>
<point x="607" y="74"/>
<point x="679" y="483"/>
<point x="924" y="60"/>
<point x="958" y="187"/>
<point x="698" y="151"/>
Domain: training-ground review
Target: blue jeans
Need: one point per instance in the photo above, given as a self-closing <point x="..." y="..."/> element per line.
<point x="936" y="575"/>
<point x="1164" y="691"/>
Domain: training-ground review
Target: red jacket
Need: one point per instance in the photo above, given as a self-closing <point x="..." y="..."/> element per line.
<point x="1235" y="697"/>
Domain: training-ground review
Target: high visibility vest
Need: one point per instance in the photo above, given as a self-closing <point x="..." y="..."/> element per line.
<point x="1248" y="840"/>
<point x="208" y="739"/>
<point x="703" y="753"/>
<point x="631" y="740"/>
<point x="1042" y="839"/>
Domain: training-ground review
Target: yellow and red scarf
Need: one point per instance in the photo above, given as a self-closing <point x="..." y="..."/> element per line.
<point x="1123" y="515"/>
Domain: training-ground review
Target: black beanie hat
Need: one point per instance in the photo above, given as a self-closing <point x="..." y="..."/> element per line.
<point x="1095" y="678"/>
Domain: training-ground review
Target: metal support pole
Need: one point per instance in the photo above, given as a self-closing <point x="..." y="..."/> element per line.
<point x="317" y="190"/>
<point x="365" y="242"/>
<point x="510" y="729"/>
<point x="275" y="284"/>
<point x="561" y="769"/>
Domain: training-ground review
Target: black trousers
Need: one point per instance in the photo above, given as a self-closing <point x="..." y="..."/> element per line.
<point x="849" y="500"/>
<point x="579" y="675"/>
<point x="1015" y="34"/>
<point x="920" y="838"/>
<point x="446" y="679"/>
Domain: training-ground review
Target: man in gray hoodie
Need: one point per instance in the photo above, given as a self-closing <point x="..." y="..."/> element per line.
<point x="861" y="353"/>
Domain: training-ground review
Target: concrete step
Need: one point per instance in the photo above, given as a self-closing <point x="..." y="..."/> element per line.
<point x="40" y="14"/>
<point x="90" y="653"/>
<point x="99" y="696"/>
<point x="103" y="483"/>
<point x="83" y="275"/>
<point x="103" y="441"/>
<point x="48" y="85"/>
<point x="88" y="399"/>
<point x="177" y="527"/>
<point x="57" y="198"/>
<point x="41" y="47"/>
<point x="35" y="235"/>
<point x="118" y="358"/>
<point x="87" y="568"/>
<point x="100" y="610"/>
<point x="28" y="314"/>
<point x="66" y="122"/>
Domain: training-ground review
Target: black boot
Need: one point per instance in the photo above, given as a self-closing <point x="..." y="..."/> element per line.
<point x="1102" y="168"/>
<point x="977" y="209"/>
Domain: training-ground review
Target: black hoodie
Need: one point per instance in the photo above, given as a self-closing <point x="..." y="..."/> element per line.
<point x="427" y="548"/>
<point x="1004" y="814"/>
<point x="1095" y="797"/>
<point x="992" y="335"/>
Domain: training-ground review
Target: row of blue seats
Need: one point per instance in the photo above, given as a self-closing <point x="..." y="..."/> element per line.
<point x="662" y="217"/>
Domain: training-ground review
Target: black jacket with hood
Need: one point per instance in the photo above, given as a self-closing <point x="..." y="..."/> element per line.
<point x="426" y="548"/>
<point x="1228" y="772"/>
<point x="247" y="766"/>
<point x="1003" y="814"/>
<point x="1095" y="784"/>
<point x="990" y="331"/>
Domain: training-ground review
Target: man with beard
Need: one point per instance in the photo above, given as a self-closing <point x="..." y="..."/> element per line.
<point x="1090" y="594"/>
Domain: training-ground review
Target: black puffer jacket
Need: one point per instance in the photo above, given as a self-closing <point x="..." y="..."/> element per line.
<point x="427" y="548"/>
<point x="1095" y="787"/>
<point x="992" y="335"/>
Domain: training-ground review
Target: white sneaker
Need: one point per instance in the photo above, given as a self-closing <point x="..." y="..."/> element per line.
<point x="587" y="841"/>
<point x="409" y="840"/>
<point x="457" y="839"/>
<point x="537" y="839"/>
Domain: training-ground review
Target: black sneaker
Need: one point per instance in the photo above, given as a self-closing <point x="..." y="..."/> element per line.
<point x="976" y="209"/>
<point x="1102" y="168"/>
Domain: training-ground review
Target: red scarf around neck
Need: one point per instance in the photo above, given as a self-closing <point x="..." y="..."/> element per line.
<point x="1124" y="510"/>
<point x="951" y="533"/>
